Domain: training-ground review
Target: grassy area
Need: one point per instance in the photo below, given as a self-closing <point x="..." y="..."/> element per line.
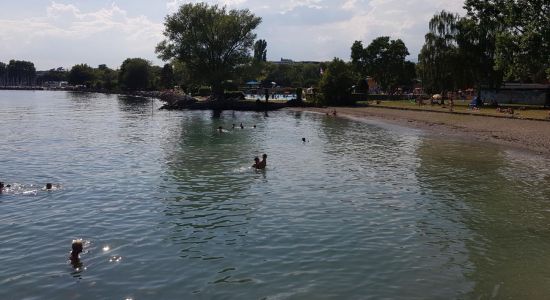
<point x="462" y="107"/>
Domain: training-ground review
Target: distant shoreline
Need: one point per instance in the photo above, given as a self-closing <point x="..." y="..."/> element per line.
<point x="517" y="133"/>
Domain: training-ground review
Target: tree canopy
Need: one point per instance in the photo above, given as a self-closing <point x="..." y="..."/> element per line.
<point x="383" y="59"/>
<point x="522" y="37"/>
<point x="135" y="74"/>
<point x="81" y="74"/>
<point x="336" y="83"/>
<point x="211" y="41"/>
<point x="260" y="50"/>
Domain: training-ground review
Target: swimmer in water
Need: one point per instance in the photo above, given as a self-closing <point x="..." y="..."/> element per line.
<point x="77" y="248"/>
<point x="1" y="186"/>
<point x="303" y="139"/>
<point x="233" y="126"/>
<point x="256" y="164"/>
<point x="242" y="127"/>
<point x="49" y="186"/>
<point x="263" y="163"/>
<point x="220" y="129"/>
<point x="254" y="126"/>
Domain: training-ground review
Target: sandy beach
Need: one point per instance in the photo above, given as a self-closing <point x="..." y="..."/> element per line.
<point x="525" y="134"/>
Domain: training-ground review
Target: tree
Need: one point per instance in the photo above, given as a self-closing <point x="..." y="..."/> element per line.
<point x="20" y="72"/>
<point x="358" y="57"/>
<point x="81" y="74"/>
<point x="439" y="57"/>
<point x="135" y="74"/>
<point x="3" y="74"/>
<point x="55" y="75"/>
<point x="384" y="60"/>
<point x="167" y="77"/>
<point x="106" y="78"/>
<point x="210" y="40"/>
<point x="336" y="83"/>
<point x="521" y="35"/>
<point x="260" y="50"/>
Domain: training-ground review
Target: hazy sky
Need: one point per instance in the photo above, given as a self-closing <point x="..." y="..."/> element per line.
<point x="67" y="32"/>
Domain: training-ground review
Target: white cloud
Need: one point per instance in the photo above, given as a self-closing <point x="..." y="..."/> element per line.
<point x="66" y="35"/>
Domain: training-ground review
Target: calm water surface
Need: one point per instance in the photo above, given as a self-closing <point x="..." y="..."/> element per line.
<point x="170" y="209"/>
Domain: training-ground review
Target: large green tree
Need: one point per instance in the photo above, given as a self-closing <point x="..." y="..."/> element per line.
<point x="210" y="40"/>
<point x="20" y="72"/>
<point x="81" y="74"/>
<point x="383" y="59"/>
<point x="336" y="83"/>
<point x="135" y="74"/>
<point x="521" y="34"/>
<point x="167" y="77"/>
<point x="439" y="60"/>
<point x="260" y="50"/>
<point x="3" y="74"/>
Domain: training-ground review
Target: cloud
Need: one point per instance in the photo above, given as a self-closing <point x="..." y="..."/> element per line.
<point x="66" y="35"/>
<point x="323" y="29"/>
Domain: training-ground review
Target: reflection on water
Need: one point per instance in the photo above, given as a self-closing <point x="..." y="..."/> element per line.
<point x="171" y="208"/>
<point x="503" y="202"/>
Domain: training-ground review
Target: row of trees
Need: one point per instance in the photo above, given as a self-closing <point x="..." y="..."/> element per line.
<point x="498" y="40"/>
<point x="134" y="74"/>
<point x="17" y="73"/>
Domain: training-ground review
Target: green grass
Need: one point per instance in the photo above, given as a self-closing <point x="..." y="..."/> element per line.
<point x="461" y="106"/>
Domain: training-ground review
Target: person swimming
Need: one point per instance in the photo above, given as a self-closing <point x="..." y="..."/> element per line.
<point x="256" y="164"/>
<point x="263" y="163"/>
<point x="242" y="127"/>
<point x="220" y="129"/>
<point x="49" y="186"/>
<point x="77" y="248"/>
<point x="1" y="186"/>
<point x="303" y="139"/>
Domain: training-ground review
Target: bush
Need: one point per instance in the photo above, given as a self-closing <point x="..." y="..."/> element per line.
<point x="336" y="84"/>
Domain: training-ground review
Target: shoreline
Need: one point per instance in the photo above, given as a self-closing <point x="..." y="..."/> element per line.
<point x="530" y="135"/>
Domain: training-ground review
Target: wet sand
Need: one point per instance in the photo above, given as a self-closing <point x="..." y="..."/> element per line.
<point x="524" y="134"/>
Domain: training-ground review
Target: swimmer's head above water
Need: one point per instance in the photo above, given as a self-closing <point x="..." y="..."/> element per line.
<point x="49" y="186"/>
<point x="77" y="248"/>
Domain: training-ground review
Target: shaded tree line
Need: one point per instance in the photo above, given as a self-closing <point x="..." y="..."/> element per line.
<point x="497" y="40"/>
<point x="17" y="73"/>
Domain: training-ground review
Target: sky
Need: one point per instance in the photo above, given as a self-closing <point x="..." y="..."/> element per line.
<point x="63" y="33"/>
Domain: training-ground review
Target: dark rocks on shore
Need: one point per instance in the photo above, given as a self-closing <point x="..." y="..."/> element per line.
<point x="178" y="102"/>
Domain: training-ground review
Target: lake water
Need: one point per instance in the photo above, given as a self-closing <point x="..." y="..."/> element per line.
<point x="170" y="209"/>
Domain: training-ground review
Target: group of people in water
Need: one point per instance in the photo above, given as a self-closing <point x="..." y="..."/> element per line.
<point x="220" y="128"/>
